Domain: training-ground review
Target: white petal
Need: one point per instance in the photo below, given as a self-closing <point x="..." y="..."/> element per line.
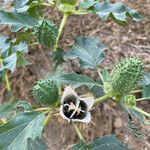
<point x="87" y="119"/>
<point x="89" y="102"/>
<point x="68" y="91"/>
<point x="62" y="114"/>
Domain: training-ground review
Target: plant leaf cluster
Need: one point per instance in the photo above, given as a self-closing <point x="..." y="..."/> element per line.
<point x="88" y="50"/>
<point x="15" y="133"/>
<point x="11" y="54"/>
<point x="21" y="124"/>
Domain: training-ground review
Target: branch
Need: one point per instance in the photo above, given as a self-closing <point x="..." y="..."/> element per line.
<point x="78" y="132"/>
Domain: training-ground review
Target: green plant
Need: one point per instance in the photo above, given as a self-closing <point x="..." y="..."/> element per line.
<point x="21" y="124"/>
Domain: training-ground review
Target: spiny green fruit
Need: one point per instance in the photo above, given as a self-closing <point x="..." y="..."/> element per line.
<point x="46" y="32"/>
<point x="46" y="91"/>
<point x="125" y="76"/>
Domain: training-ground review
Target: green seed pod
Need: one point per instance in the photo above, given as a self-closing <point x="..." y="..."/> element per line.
<point x="46" y="32"/>
<point x="125" y="76"/>
<point x="46" y="91"/>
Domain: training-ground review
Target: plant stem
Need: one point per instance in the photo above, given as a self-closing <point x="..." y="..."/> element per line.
<point x="136" y="91"/>
<point x="81" y="12"/>
<point x="45" y="4"/>
<point x="7" y="82"/>
<point x="141" y="111"/>
<point x="6" y="76"/>
<point x="46" y="121"/>
<point x="42" y="109"/>
<point x="141" y="99"/>
<point x="35" y="43"/>
<point x="78" y="132"/>
<point x="65" y="17"/>
<point x="100" y="75"/>
<point x="101" y="99"/>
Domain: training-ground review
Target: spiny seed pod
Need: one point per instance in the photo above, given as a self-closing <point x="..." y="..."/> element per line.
<point x="46" y="91"/>
<point x="125" y="76"/>
<point x="46" y="32"/>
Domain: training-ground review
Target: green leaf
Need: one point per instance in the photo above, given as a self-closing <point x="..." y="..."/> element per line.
<point x="21" y="5"/>
<point x="97" y="90"/>
<point x="105" y="75"/>
<point x="23" y="105"/>
<point x="36" y="144"/>
<point x="46" y="91"/>
<point x="117" y="11"/>
<point x="85" y="4"/>
<point x="135" y="130"/>
<point x="35" y="8"/>
<point x="131" y="114"/>
<point x="26" y="36"/>
<point x="14" y="134"/>
<point x="10" y="62"/>
<point x="18" y="20"/>
<point x="21" y="47"/>
<point x="138" y="115"/>
<point x="79" y="146"/>
<point x="146" y="91"/>
<point x="66" y="8"/>
<point x="88" y="50"/>
<point x="6" y="109"/>
<point x="12" y="55"/>
<point x="21" y="60"/>
<point x="107" y="142"/>
<point x="69" y="2"/>
<point x="146" y="85"/>
<point x="58" y="57"/>
<point x="146" y="80"/>
<point x="4" y="44"/>
<point x="76" y="80"/>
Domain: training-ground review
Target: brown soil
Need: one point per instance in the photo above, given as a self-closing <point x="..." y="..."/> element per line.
<point x="122" y="42"/>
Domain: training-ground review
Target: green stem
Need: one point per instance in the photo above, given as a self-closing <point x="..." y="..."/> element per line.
<point x="33" y="44"/>
<point x="6" y="76"/>
<point x="141" y="111"/>
<point x="100" y="75"/>
<point x="45" y="4"/>
<point x="47" y="119"/>
<point x="141" y="99"/>
<point x="42" y="109"/>
<point x="65" y="17"/>
<point x="81" y="12"/>
<point x="101" y="99"/>
<point x="78" y="132"/>
<point x="136" y="91"/>
<point x="7" y="82"/>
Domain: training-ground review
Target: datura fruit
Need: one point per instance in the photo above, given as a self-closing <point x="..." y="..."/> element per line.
<point x="46" y="32"/>
<point x="125" y="76"/>
<point x="74" y="108"/>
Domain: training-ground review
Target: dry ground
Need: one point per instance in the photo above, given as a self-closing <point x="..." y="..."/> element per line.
<point x="122" y="41"/>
